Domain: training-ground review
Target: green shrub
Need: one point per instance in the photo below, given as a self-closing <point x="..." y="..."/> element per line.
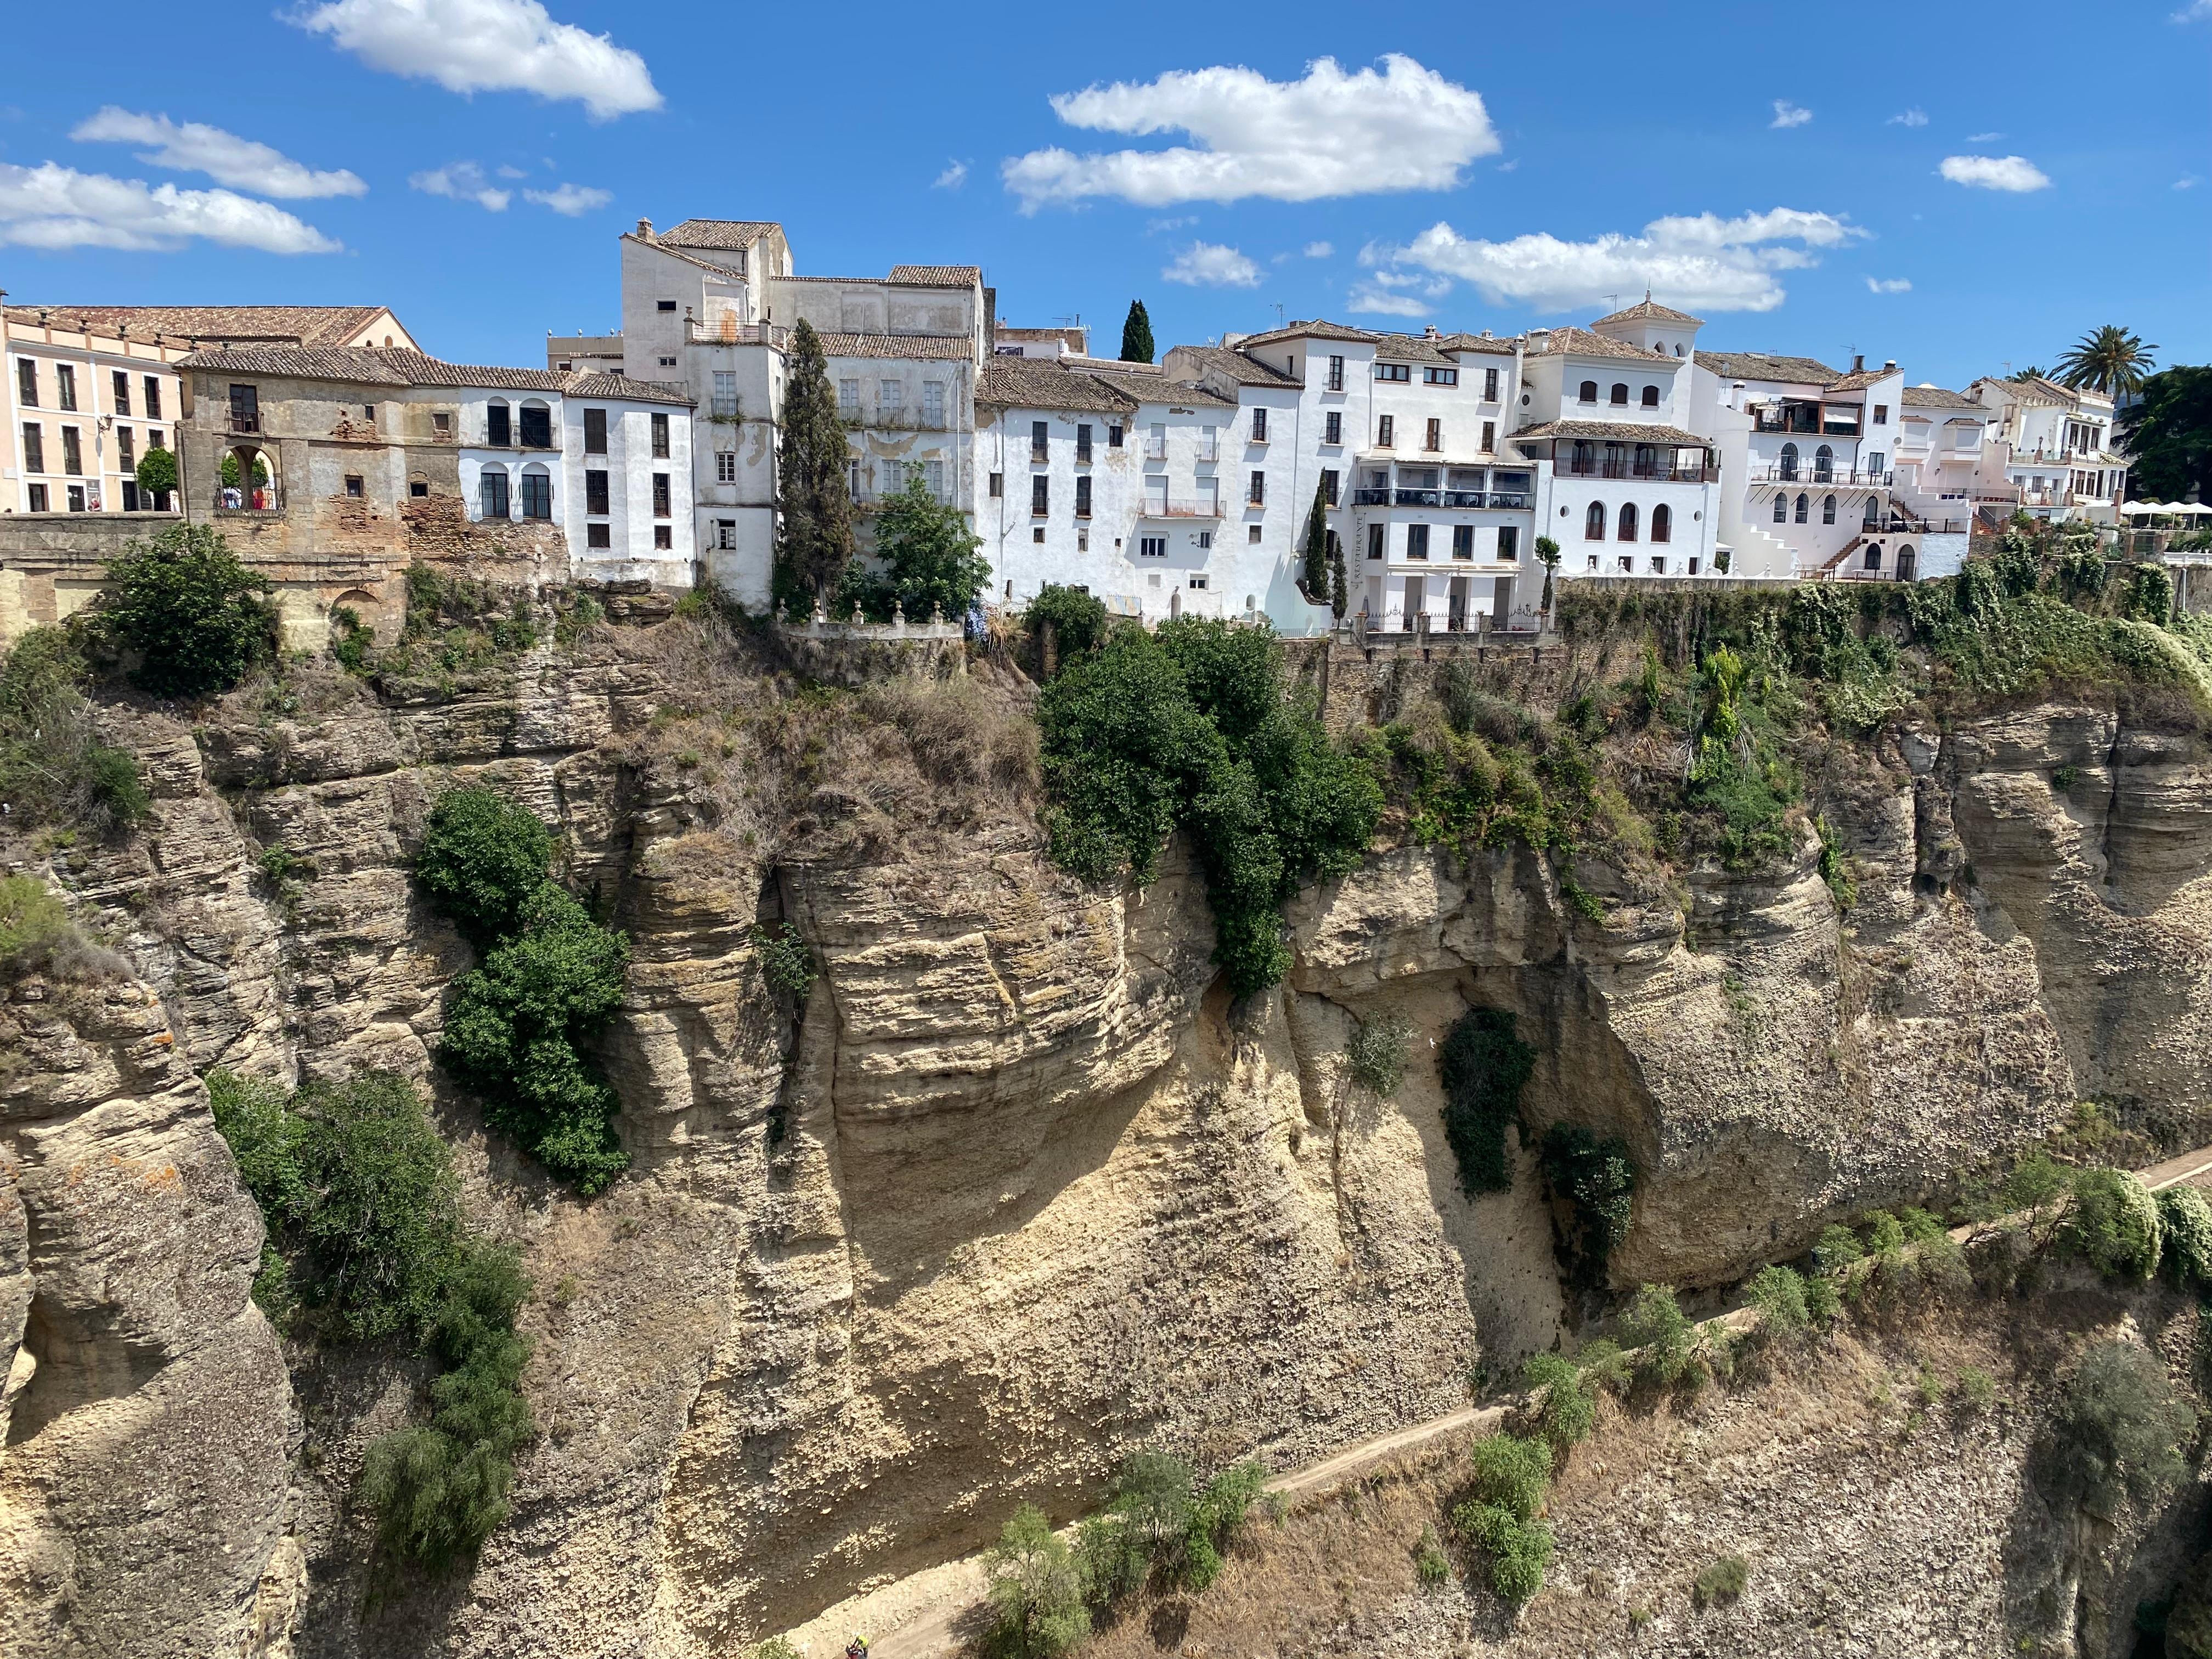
<point x="1837" y="1248"/>
<point x="1376" y="1053"/>
<point x="1159" y="1522"/>
<point x="1036" y="1590"/>
<point x="483" y="857"/>
<point x="1597" y="1180"/>
<point x="54" y="766"/>
<point x="776" y="1647"/>
<point x="1511" y="1472"/>
<point x="32" y="916"/>
<point x="1779" y="1294"/>
<point x="1920" y="1227"/>
<point x="2115" y="1224"/>
<point x="1824" y="1300"/>
<point x="785" y="962"/>
<point x="1885" y="1234"/>
<point x="1568" y="1410"/>
<point x="1483" y="1067"/>
<point x="197" y="620"/>
<point x="2185" y="1228"/>
<point x="1077" y="620"/>
<point x="928" y="554"/>
<point x="1655" y="1324"/>
<point x="2118" y="1430"/>
<point x="1720" y="1583"/>
<point x="1519" y="1550"/>
<point x="1977" y="1389"/>
<point x="1431" y="1566"/>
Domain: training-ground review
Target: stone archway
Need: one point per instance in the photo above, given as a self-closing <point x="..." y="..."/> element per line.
<point x="245" y="478"/>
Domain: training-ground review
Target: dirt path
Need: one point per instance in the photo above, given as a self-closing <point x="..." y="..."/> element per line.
<point x="922" y="1616"/>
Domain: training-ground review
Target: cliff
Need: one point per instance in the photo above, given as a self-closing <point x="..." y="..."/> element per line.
<point x="1022" y="1189"/>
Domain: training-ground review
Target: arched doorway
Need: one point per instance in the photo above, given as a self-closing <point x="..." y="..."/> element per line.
<point x="1908" y="564"/>
<point x="247" y="479"/>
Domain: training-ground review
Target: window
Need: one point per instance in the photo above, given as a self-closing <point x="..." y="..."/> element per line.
<point x="1462" y="541"/>
<point x="932" y="403"/>
<point x="725" y="466"/>
<point x="1789" y="461"/>
<point x="498" y="432"/>
<point x="126" y="451"/>
<point x="1040" y="494"/>
<point x="1583" y="459"/>
<point x="1374" y="534"/>
<point x="1258" y="497"/>
<point x="34" y="447"/>
<point x="537" y="423"/>
<point x="660" y="508"/>
<point x="1040" y="440"/>
<point x="1488" y="436"/>
<point x="1662" y="524"/>
<point x="1332" y="426"/>
<point x="998" y="486"/>
<point x="726" y="535"/>
<point x="1036" y="535"/>
<point x="660" y="437"/>
<point x="418" y="488"/>
<point x="1881" y="415"/>
<point x="1827" y="509"/>
<point x="1593" y="561"/>
<point x="153" y="437"/>
<point x="153" y="399"/>
<point x="1780" y="507"/>
<point x="724" y="398"/>
<point x="1440" y="376"/>
<point x="1083" y="443"/>
<point x="595" y="431"/>
<point x="664" y="536"/>
<point x="1801" y="506"/>
<point x="76" y="498"/>
<point x="598" y="535"/>
<point x="442" y="424"/>
<point x="72" y="452"/>
<point x="1393" y="372"/>
<point x="1693" y="566"/>
<point x="1205" y="541"/>
<point x="536" y="492"/>
<point x="1259" y="426"/>
<point x="1652" y="397"/>
<point x="1490" y="386"/>
<point x="663" y="305"/>
<point x="1873" y="557"/>
<point x="1647" y="461"/>
<point x="37" y="498"/>
<point x="1336" y="374"/>
<point x="245" y="409"/>
<point x="1873" y="512"/>
<point x="1625" y="564"/>
<point x="353" y="485"/>
<point x="1112" y="435"/>
<point x="1082" y="539"/>
<point x="1252" y="534"/>
<point x="1588" y="393"/>
<point x="27" y="382"/>
<point x="668" y="362"/>
<point x="1620" y="396"/>
<point x="852" y="478"/>
<point x="1328" y="485"/>
<point x="849" y="400"/>
<point x="1824" y="463"/>
<point x="368" y="412"/>
<point x="1152" y="547"/>
<point x="122" y="393"/>
<point x="890" y="401"/>
<point x="1417" y="542"/>
<point x="1509" y="543"/>
<point x="491" y="493"/>
<point x="1386" y="432"/>
<point x="1083" y="496"/>
<point x="1198" y="581"/>
<point x="595" y="492"/>
<point x="1594" y="523"/>
<point x="65" y="386"/>
<point x="1435" y="435"/>
<point x="1659" y="566"/>
<point x="1626" y="531"/>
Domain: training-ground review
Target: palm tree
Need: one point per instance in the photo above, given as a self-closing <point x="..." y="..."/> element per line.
<point x="2109" y="359"/>
<point x="2031" y="372"/>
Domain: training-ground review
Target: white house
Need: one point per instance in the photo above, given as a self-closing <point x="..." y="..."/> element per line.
<point x="2062" y="457"/>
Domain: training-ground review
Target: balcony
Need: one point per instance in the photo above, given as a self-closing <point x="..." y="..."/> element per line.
<point x="1648" y="473"/>
<point x="726" y="330"/>
<point x="246" y="420"/>
<point x="1811" y="472"/>
<point x="1156" y="449"/>
<point x="1209" y="449"/>
<point x="1039" y="454"/>
<point x="1208" y="507"/>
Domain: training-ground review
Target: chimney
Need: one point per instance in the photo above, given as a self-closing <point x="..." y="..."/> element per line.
<point x="1890" y="367"/>
<point x="1430" y="332"/>
<point x="645" y="230"/>
<point x="1858" y="362"/>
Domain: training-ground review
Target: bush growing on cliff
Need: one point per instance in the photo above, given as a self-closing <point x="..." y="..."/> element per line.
<point x="2185" y="1222"/>
<point x="1376" y="1053"/>
<point x="1078" y="622"/>
<point x="197" y="620"/>
<point x="2115" y="1224"/>
<point x="1779" y="1294"/>
<point x="1483" y="1066"/>
<point x="1512" y="1477"/>
<point x="1161" y="1523"/>
<point x="54" y="766"/>
<point x="1597" y="1178"/>
<point x="2119" y="1430"/>
<point x="1036" y="1590"/>
<point x="482" y="856"/>
<point x="1567" y="1410"/>
<point x="1655" y="1326"/>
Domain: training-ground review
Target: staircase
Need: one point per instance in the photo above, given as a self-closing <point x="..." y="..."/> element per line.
<point x="1828" y="572"/>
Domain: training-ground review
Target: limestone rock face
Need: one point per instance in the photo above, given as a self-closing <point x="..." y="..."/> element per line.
<point x="1016" y="1189"/>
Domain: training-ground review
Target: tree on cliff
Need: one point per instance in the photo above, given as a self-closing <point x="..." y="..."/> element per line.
<point x="814" y="509"/>
<point x="1547" y="555"/>
<point x="1136" y="335"/>
<point x="929" y="554"/>
<point x="2169" y="435"/>
<point x="1314" y="581"/>
<point x="196" y="619"/>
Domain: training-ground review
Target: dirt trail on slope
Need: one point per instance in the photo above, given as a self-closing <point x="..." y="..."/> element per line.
<point x="938" y="1612"/>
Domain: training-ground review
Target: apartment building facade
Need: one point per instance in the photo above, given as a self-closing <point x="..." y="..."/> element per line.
<point x="2061" y="454"/>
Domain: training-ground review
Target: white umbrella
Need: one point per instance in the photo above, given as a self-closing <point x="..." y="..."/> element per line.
<point x="2135" y="508"/>
<point x="2194" y="509"/>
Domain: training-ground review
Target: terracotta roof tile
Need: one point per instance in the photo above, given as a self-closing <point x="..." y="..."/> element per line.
<point x="1613" y="432"/>
<point x="1025" y="383"/>
<point x="1860" y="379"/>
<point x="938" y="275"/>
<point x="1489" y="343"/>
<point x="1313" y="329"/>
<point x="1409" y="348"/>
<point x="1236" y="365"/>
<point x="1581" y="343"/>
<point x="1766" y="365"/>
<point x="946" y="346"/>
<point x="1935" y="397"/>
<point x="727" y="235"/>
<point x="1157" y="388"/>
<point x="403" y="368"/>
<point x="305" y="325"/>
<point x="1644" y="311"/>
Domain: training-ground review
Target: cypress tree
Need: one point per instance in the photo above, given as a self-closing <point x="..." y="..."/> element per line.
<point x="814" y="513"/>
<point x="1314" y="581"/>
<point x="1136" y="335"/>
<point x="1339" y="589"/>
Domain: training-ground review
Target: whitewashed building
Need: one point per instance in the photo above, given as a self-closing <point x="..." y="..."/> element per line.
<point x="2061" y="455"/>
<point x="1066" y="340"/>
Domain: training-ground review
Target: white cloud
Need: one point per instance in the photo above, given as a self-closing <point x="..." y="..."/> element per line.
<point x="2013" y="173"/>
<point x="1888" y="285"/>
<point x="954" y="176"/>
<point x="224" y="156"/>
<point x="1156" y="227"/>
<point x="1367" y="298"/>
<point x="489" y="45"/>
<point x="506" y="172"/>
<point x="461" y="182"/>
<point x="1209" y="264"/>
<point x="2195" y="12"/>
<point x="1787" y="114"/>
<point x="1330" y="134"/>
<point x="570" y="201"/>
<point x="52" y="206"/>
<point x="2187" y="181"/>
<point x="1318" y="250"/>
<point x="1911" y="117"/>
<point x="1983" y="137"/>
<point x="1705" y="264"/>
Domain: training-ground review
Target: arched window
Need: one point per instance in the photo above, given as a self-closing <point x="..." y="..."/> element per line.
<point x="537" y="489"/>
<point x="1652" y="397"/>
<point x="1802" y="505"/>
<point x="1589" y="392"/>
<point x="1824" y="463"/>
<point x="1627" y="532"/>
<point x="499" y="425"/>
<point x="1908" y="566"/>
<point x="1594" y="523"/>
<point x="1873" y="514"/>
<point x="1662" y="524"/>
<point x="1874" y="557"/>
<point x="1677" y="348"/>
<point x="491" y="493"/>
<point x="1780" y="507"/>
<point x="1620" y="393"/>
<point x="1789" y="460"/>
<point x="1827" y="509"/>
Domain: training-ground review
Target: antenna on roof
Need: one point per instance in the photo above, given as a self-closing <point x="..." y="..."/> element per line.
<point x="1279" y="315"/>
<point x="1612" y="301"/>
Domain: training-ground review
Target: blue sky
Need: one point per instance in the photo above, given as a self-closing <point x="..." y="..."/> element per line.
<point x="1929" y="188"/>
